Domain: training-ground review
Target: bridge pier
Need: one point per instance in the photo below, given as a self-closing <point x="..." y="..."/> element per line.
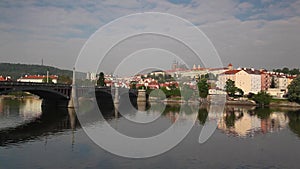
<point x="116" y="98"/>
<point x="141" y="95"/>
<point x="73" y="102"/>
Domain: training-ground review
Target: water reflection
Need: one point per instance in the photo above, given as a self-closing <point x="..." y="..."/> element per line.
<point x="56" y="134"/>
<point x="249" y="121"/>
<point x="23" y="120"/>
<point x="16" y="111"/>
<point x="294" y="121"/>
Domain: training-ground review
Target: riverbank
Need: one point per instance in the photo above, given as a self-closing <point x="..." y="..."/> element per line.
<point x="245" y="102"/>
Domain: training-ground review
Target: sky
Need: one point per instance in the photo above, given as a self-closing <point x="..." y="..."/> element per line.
<point x="255" y="33"/>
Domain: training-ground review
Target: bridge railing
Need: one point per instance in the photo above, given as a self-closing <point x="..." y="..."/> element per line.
<point x="14" y="83"/>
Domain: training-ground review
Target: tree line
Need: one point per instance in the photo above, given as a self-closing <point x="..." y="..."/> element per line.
<point x="288" y="71"/>
<point x="15" y="71"/>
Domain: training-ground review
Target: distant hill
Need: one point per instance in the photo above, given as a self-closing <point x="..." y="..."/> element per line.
<point x="18" y="70"/>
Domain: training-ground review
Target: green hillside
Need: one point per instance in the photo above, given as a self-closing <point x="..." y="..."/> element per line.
<point x="18" y="70"/>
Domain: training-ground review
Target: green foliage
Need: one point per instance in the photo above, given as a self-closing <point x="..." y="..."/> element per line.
<point x="294" y="90"/>
<point x="18" y="70"/>
<point x="288" y="71"/>
<point x="240" y="91"/>
<point x="133" y="85"/>
<point x="171" y="93"/>
<point x="209" y="76"/>
<point x="262" y="98"/>
<point x="64" y="79"/>
<point x="142" y="87"/>
<point x="49" y="80"/>
<point x="100" y="81"/>
<point x="203" y="88"/>
<point x="230" y="87"/>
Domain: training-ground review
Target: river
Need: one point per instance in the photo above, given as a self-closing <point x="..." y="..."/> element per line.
<point x="32" y="136"/>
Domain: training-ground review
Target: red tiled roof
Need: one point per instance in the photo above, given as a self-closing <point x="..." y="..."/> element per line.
<point x="231" y="72"/>
<point x="2" y="78"/>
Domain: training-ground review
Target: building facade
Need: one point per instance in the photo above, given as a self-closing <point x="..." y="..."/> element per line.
<point x="38" y="78"/>
<point x="249" y="80"/>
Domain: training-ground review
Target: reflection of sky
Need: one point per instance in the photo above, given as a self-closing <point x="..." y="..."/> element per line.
<point x="220" y="151"/>
<point x="12" y="114"/>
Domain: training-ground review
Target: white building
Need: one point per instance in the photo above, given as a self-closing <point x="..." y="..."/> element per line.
<point x="37" y="78"/>
<point x="249" y="80"/>
<point x="91" y="76"/>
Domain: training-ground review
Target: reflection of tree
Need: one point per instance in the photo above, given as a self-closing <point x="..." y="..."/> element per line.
<point x="231" y="116"/>
<point x="294" y="121"/>
<point x="229" y="120"/>
<point x="171" y="108"/>
<point x="263" y="113"/>
<point x="186" y="109"/>
<point x="202" y="115"/>
<point x="157" y="107"/>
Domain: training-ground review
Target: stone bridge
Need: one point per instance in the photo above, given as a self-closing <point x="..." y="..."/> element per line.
<point x="61" y="94"/>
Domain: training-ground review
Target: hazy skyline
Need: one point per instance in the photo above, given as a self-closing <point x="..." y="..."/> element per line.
<point x="258" y="33"/>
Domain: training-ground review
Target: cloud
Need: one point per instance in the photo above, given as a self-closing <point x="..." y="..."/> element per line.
<point x="257" y="43"/>
<point x="259" y="33"/>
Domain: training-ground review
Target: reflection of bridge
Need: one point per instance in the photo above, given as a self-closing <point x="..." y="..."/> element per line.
<point x="61" y="94"/>
<point x="51" y="121"/>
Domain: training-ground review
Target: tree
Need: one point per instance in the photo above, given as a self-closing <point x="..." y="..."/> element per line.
<point x="294" y="71"/>
<point x="47" y="81"/>
<point x="230" y="87"/>
<point x="262" y="98"/>
<point x="294" y="90"/>
<point x="273" y="85"/>
<point x="240" y="91"/>
<point x="203" y="88"/>
<point x="64" y="79"/>
<point x="285" y="70"/>
<point x="210" y="76"/>
<point x="133" y="84"/>
<point x="100" y="81"/>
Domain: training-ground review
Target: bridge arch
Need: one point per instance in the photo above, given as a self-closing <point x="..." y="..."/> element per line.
<point x="43" y="93"/>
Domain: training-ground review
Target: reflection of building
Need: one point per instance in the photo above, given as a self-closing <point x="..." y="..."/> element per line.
<point x="31" y="108"/>
<point x="244" y="122"/>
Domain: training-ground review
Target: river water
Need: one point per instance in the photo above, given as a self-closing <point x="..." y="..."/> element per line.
<point x="246" y="137"/>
